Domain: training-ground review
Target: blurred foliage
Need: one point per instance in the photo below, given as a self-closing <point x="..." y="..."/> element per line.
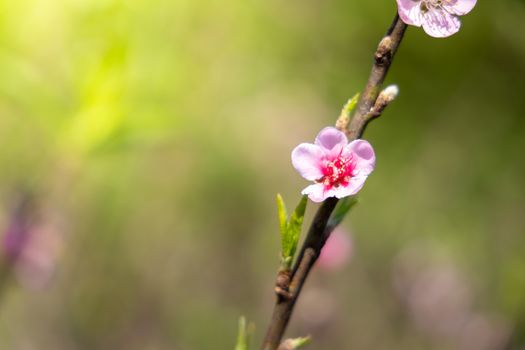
<point x="155" y="134"/>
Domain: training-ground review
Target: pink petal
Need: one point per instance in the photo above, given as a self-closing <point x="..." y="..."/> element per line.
<point x="355" y="185"/>
<point x="459" y="7"/>
<point x="440" y="24"/>
<point x="336" y="251"/>
<point x="331" y="140"/>
<point x="316" y="192"/>
<point x="364" y="156"/>
<point x="307" y="159"/>
<point x="410" y="12"/>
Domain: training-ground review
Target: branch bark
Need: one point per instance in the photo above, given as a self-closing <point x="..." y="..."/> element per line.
<point x="368" y="108"/>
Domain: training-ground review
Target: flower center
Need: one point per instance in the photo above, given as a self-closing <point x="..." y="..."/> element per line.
<point x="338" y="172"/>
<point x="427" y="5"/>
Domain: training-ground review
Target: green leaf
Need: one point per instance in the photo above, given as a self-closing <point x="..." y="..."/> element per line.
<point x="344" y="118"/>
<point x="244" y="335"/>
<point x="293" y="230"/>
<point x="342" y="208"/>
<point x="350" y="105"/>
<point x="283" y="215"/>
<point x="293" y="344"/>
<point x="290" y="229"/>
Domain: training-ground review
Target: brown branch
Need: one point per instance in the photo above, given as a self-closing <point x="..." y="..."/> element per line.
<point x="382" y="60"/>
<point x="368" y="108"/>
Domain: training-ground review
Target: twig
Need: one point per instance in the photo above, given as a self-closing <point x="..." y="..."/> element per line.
<point x="382" y="60"/>
<point x="369" y="107"/>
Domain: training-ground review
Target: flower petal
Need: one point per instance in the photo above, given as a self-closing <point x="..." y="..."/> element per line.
<point x="336" y="251"/>
<point x="410" y="12"/>
<point x="364" y="156"/>
<point x="354" y="185"/>
<point x="316" y="192"/>
<point x="440" y="24"/>
<point x="331" y="140"/>
<point x="307" y="159"/>
<point x="459" y="7"/>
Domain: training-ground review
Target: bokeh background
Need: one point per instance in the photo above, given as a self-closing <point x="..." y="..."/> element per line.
<point x="142" y="144"/>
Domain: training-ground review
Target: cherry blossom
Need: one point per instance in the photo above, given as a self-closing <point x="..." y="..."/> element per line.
<point x="338" y="168"/>
<point x="439" y="18"/>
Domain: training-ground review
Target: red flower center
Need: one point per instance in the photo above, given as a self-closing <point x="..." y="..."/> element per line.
<point x="338" y="172"/>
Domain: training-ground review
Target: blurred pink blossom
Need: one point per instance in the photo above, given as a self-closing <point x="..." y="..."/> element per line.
<point x="32" y="246"/>
<point x="38" y="260"/>
<point x="15" y="238"/>
<point x="338" y="168"/>
<point x="18" y="228"/>
<point x="439" y="18"/>
<point x="336" y="251"/>
<point x="440" y="301"/>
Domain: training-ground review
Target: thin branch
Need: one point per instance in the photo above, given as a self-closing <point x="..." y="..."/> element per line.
<point x="369" y="107"/>
<point x="382" y="60"/>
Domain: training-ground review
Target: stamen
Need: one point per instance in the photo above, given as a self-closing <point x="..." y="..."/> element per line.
<point x="338" y="172"/>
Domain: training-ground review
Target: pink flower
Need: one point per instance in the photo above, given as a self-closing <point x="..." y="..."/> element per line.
<point x="338" y="168"/>
<point x="439" y="18"/>
<point x="337" y="250"/>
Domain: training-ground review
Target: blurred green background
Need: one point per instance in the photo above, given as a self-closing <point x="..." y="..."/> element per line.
<point x="153" y="136"/>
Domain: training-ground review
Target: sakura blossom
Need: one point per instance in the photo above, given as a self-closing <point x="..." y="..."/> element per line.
<point x="439" y="18"/>
<point x="337" y="167"/>
<point x="337" y="250"/>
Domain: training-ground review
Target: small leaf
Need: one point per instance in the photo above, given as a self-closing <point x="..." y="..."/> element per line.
<point x="342" y="208"/>
<point x="350" y="105"/>
<point x="283" y="215"/>
<point x="293" y="344"/>
<point x="344" y="118"/>
<point x="286" y="262"/>
<point x="244" y="335"/>
<point x="294" y="228"/>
